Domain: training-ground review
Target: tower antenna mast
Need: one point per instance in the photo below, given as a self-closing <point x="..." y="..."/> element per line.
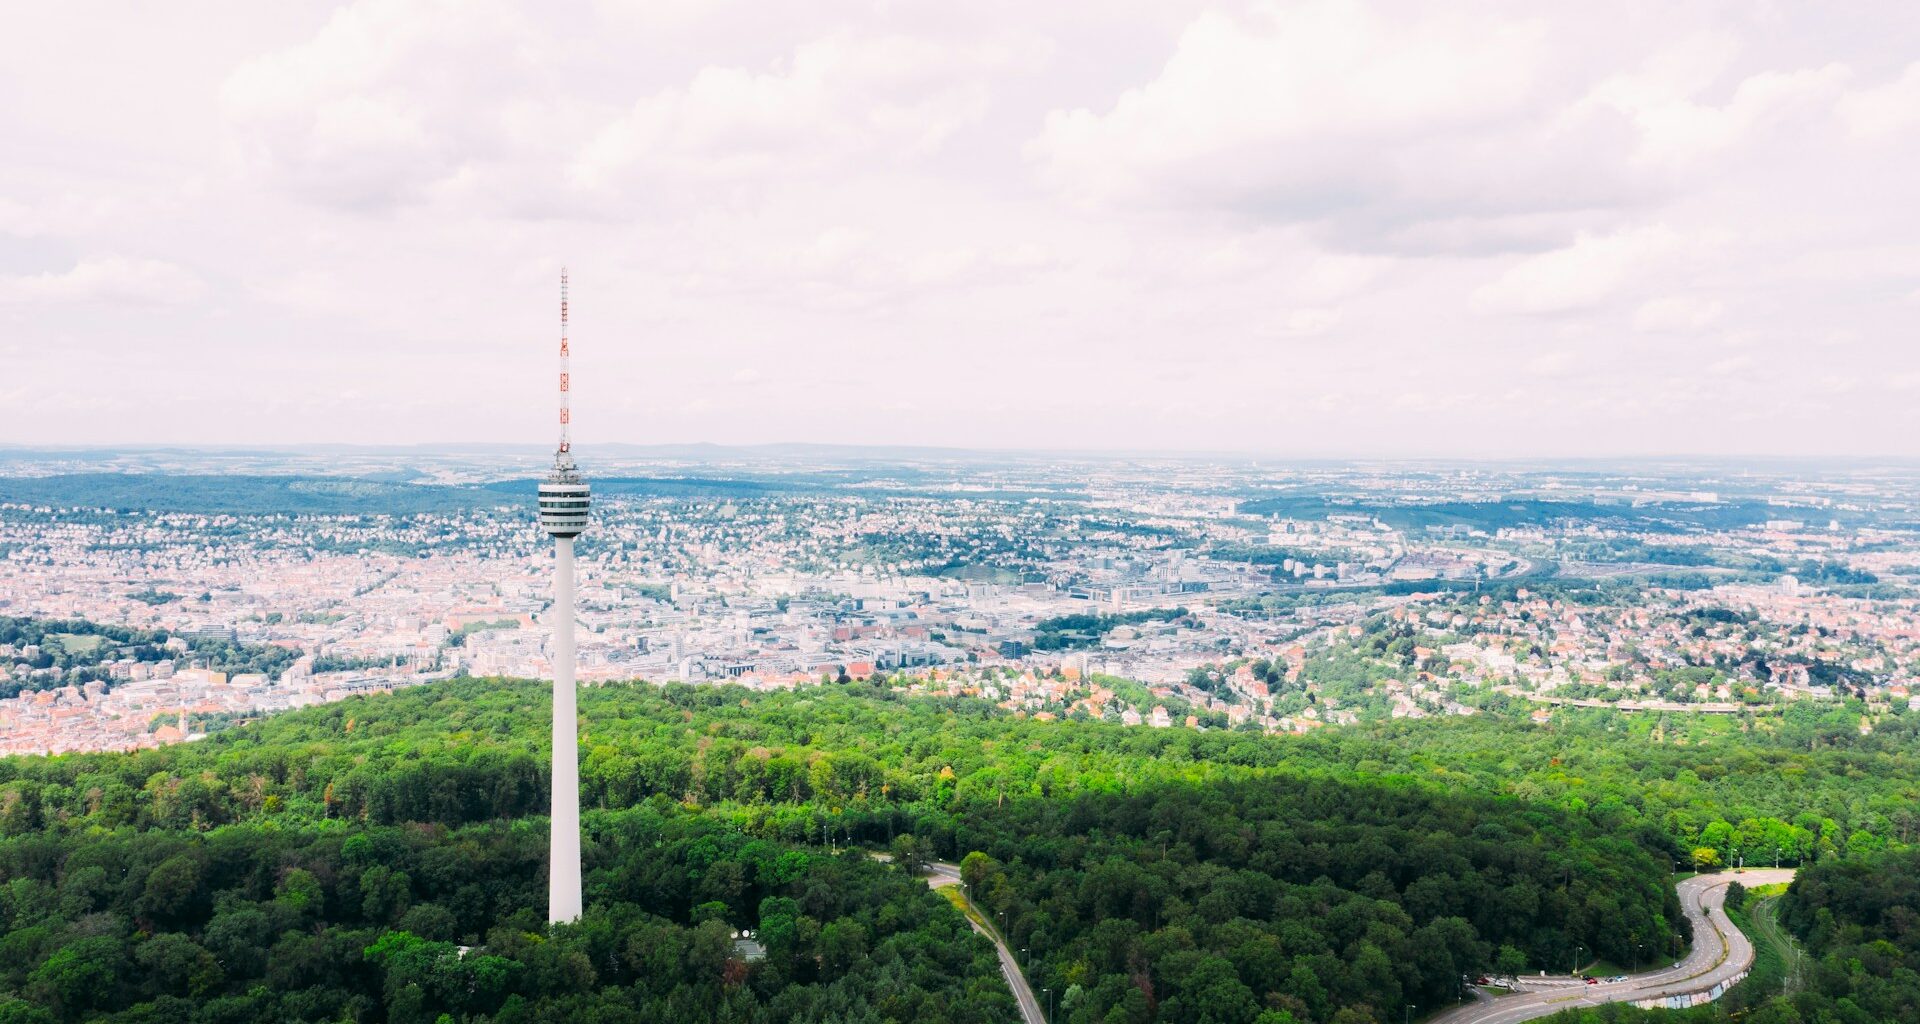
<point x="565" y="454"/>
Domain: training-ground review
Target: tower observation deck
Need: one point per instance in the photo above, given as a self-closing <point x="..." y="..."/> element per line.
<point x="564" y="496"/>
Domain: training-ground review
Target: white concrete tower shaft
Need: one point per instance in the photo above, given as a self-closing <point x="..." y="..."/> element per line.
<point x="563" y="879"/>
<point x="564" y="501"/>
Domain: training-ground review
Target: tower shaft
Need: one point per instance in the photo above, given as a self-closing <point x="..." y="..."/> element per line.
<point x="563" y="878"/>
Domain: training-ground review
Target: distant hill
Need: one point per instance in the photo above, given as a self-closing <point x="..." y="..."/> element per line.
<point x="1495" y="515"/>
<point x="383" y="494"/>
<point x="243" y="494"/>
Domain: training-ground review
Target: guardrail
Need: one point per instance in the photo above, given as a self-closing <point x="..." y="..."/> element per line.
<point x="1686" y="999"/>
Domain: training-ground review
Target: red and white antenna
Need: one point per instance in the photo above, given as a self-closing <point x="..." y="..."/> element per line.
<point x="566" y="376"/>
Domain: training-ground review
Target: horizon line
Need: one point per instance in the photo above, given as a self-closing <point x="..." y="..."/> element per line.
<point x="663" y="448"/>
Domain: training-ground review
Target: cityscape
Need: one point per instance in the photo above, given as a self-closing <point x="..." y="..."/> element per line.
<point x="1160" y="593"/>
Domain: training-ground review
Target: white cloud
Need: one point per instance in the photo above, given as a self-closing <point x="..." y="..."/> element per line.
<point x="1304" y="322"/>
<point x="1730" y="365"/>
<point x="107" y="279"/>
<point x="1885" y="109"/>
<point x="1583" y="275"/>
<point x="1676" y="128"/>
<point x="388" y="99"/>
<point x="1557" y="363"/>
<point x="841" y="98"/>
<point x="1423" y="131"/>
<point x="1677" y="314"/>
<point x="1292" y="112"/>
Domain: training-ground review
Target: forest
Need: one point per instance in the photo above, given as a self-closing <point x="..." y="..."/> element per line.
<point x="380" y="859"/>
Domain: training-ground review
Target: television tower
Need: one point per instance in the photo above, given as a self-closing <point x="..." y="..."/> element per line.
<point x="563" y="513"/>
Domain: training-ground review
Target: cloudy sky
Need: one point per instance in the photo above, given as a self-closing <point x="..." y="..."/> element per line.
<point x="1299" y="228"/>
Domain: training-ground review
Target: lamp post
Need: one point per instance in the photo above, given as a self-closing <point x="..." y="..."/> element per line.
<point x="1049" y="994"/>
<point x="1574" y="967"/>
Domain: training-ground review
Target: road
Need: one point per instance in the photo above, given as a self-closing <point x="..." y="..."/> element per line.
<point x="941" y="874"/>
<point x="1720" y="951"/>
<point x="1668" y="706"/>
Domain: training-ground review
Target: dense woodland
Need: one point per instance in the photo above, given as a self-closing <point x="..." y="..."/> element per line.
<point x="382" y="858"/>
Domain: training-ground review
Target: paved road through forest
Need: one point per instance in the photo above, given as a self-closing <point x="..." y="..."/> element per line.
<point x="1720" y="952"/>
<point x="938" y="875"/>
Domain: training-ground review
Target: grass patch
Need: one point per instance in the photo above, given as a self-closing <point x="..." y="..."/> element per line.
<point x="1775" y="964"/>
<point x="959" y="901"/>
<point x="78" y="643"/>
<point x="1603" y="969"/>
<point x="1773" y="947"/>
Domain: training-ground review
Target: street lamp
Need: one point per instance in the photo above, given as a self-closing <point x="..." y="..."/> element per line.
<point x="1574" y="967"/>
<point x="1049" y="994"/>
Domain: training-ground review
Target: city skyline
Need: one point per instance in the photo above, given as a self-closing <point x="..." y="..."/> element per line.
<point x="1645" y="231"/>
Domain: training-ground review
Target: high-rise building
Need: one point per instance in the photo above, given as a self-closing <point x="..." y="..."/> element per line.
<point x="564" y="498"/>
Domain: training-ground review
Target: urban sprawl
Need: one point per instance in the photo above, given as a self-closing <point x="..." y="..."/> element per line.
<point x="1173" y="594"/>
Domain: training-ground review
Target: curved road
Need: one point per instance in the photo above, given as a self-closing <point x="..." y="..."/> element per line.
<point x="940" y="874"/>
<point x="1720" y="951"/>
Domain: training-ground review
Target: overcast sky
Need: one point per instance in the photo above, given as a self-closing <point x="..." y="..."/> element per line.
<point x="1315" y="228"/>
